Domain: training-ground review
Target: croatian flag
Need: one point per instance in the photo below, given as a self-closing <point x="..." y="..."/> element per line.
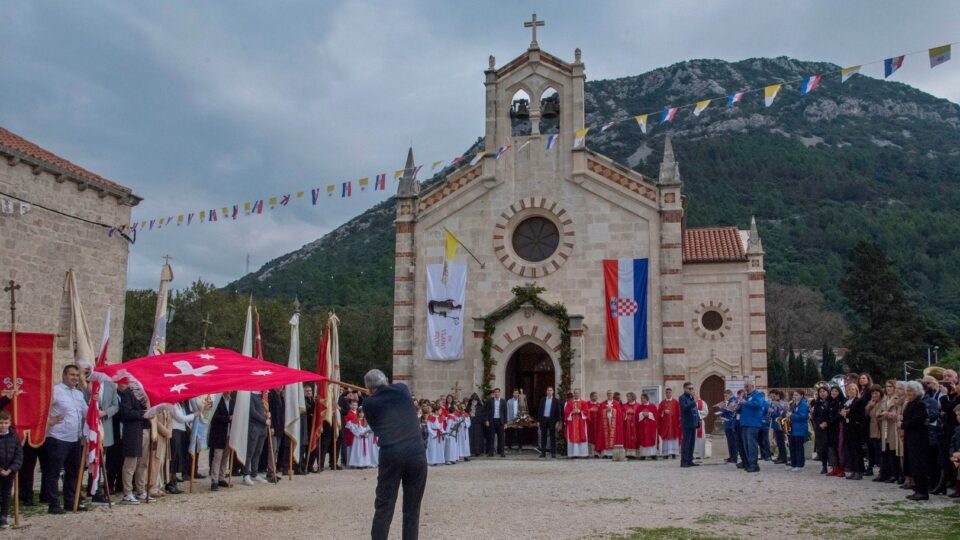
<point x="891" y="65"/>
<point x="809" y="84"/>
<point x="668" y="114"/>
<point x="380" y="183"/>
<point x="346" y="190"/>
<point x="625" y="290"/>
<point x="734" y="99"/>
<point x="552" y="141"/>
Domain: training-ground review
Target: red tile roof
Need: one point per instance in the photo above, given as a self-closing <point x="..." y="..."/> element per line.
<point x="18" y="145"/>
<point x="713" y="244"/>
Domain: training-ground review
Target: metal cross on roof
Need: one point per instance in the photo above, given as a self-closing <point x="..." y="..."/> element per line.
<point x="533" y="23"/>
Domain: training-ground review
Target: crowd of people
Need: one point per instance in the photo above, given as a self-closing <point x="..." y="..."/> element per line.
<point x="149" y="452"/>
<point x="902" y="432"/>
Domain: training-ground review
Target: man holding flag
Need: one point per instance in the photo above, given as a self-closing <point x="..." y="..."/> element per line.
<point x="104" y="404"/>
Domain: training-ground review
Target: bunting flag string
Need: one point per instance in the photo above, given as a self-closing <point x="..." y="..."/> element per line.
<point x="937" y="56"/>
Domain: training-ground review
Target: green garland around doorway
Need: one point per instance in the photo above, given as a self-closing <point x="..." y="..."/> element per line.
<point x="524" y="295"/>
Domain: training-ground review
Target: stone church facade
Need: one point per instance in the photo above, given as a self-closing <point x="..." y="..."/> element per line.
<point x="56" y="222"/>
<point x="706" y="315"/>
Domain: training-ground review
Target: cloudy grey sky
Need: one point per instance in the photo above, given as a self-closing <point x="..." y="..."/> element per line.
<point x="203" y="104"/>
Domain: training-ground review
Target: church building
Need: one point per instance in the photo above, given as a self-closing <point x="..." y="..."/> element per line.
<point x="558" y="228"/>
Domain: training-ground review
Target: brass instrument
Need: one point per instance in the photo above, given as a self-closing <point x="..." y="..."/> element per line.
<point x="785" y="423"/>
<point x="819" y="385"/>
<point x="934" y="371"/>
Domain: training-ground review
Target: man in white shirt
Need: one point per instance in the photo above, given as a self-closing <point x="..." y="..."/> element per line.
<point x="513" y="412"/>
<point x="62" y="446"/>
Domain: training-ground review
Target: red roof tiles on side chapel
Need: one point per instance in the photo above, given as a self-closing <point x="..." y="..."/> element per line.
<point x="713" y="244"/>
<point x="16" y="143"/>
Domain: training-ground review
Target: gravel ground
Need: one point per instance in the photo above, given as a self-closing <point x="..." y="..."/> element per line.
<point x="500" y="498"/>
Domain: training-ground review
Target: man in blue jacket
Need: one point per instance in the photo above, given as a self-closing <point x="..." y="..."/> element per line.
<point x="393" y="418"/>
<point x="752" y="413"/>
<point x="689" y="422"/>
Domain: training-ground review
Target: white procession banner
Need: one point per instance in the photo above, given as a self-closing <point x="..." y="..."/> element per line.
<point x="445" y="311"/>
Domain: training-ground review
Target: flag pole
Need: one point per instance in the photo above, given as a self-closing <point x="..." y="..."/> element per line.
<point x="83" y="465"/>
<point x="230" y="467"/>
<point x="465" y="248"/>
<point x="273" y="457"/>
<point x="12" y="288"/>
<point x="193" y="462"/>
<point x="290" y="459"/>
<point x="150" y="453"/>
<point x="106" y="476"/>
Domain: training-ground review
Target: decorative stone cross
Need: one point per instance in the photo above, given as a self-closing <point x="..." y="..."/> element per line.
<point x="166" y="259"/>
<point x="456" y="390"/>
<point x="533" y="23"/>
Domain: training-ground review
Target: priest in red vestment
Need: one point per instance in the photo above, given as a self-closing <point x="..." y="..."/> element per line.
<point x="575" y="426"/>
<point x="669" y="417"/>
<point x="647" y="413"/>
<point x="594" y="426"/>
<point x="631" y="425"/>
<point x="611" y="416"/>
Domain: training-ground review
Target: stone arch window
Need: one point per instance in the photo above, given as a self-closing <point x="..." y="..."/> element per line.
<point x="550" y="111"/>
<point x="520" y="114"/>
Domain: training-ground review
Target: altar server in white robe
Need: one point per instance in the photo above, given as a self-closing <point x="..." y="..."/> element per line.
<point x="699" y="447"/>
<point x="463" y="435"/>
<point x="435" y="433"/>
<point x="361" y="451"/>
<point x="451" y="445"/>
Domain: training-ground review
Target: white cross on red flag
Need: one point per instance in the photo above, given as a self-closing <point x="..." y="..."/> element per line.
<point x="174" y="377"/>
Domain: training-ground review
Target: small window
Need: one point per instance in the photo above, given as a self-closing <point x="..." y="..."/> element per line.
<point x="536" y="239"/>
<point x="712" y="321"/>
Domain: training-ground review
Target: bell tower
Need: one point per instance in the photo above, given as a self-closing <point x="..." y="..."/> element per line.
<point x="537" y="92"/>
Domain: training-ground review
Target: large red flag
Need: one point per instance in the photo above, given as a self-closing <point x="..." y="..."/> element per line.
<point x="174" y="377"/>
<point x="35" y="374"/>
<point x="320" y="405"/>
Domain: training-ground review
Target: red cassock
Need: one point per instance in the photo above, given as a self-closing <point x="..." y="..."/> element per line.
<point x="631" y="426"/>
<point x="595" y="426"/>
<point x="347" y="434"/>
<point x="648" y="426"/>
<point x="576" y="422"/>
<point x="611" y="413"/>
<point x="669" y="422"/>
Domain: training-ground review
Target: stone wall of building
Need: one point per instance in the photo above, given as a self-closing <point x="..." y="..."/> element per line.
<point x="37" y="249"/>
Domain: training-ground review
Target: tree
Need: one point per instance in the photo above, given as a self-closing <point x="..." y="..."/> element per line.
<point x="810" y="373"/>
<point x="886" y="330"/>
<point x="794" y="369"/>
<point x="829" y="367"/>
<point x="796" y="316"/>
<point x="776" y="373"/>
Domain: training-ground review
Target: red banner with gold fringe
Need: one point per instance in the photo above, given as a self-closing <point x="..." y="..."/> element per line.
<point x="35" y="374"/>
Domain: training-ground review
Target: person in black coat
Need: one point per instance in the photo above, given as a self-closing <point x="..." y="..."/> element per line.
<point x="548" y="414"/>
<point x="217" y="442"/>
<point x="818" y="416"/>
<point x="11" y="458"/>
<point x="834" y="404"/>
<point x="306" y="461"/>
<point x="478" y="442"/>
<point x="854" y="413"/>
<point x="916" y="440"/>
<point x="135" y="434"/>
<point x="256" y="438"/>
<point x="496" y="418"/>
<point x="393" y="418"/>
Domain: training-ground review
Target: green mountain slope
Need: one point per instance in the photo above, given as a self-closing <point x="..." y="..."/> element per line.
<point x="867" y="159"/>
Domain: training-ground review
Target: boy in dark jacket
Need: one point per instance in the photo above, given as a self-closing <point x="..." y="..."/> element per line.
<point x="11" y="458"/>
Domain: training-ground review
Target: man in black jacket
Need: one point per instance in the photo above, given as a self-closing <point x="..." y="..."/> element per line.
<point x="393" y="418"/>
<point x="496" y="409"/>
<point x="548" y="414"/>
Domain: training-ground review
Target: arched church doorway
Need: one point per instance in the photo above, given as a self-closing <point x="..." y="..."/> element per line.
<point x="530" y="368"/>
<point x="711" y="392"/>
